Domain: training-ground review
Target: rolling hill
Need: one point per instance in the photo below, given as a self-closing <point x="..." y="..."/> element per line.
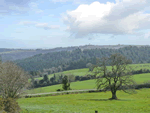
<point x="78" y="58"/>
<point x="15" y="54"/>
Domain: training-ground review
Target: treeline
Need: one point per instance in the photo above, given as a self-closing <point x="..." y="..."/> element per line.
<point x="57" y="78"/>
<point x="77" y="59"/>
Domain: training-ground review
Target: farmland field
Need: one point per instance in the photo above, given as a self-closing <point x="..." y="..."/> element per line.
<point x="88" y="103"/>
<point x="87" y="84"/>
<point x="84" y="71"/>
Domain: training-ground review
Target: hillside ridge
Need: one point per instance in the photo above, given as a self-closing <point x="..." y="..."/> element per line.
<point x="16" y="54"/>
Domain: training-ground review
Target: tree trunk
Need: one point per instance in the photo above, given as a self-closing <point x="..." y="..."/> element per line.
<point x="114" y="97"/>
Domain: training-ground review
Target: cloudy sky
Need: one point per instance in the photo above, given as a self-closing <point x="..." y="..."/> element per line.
<point x="62" y="23"/>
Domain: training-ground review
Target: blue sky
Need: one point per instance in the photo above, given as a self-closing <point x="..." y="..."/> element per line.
<point x="61" y="23"/>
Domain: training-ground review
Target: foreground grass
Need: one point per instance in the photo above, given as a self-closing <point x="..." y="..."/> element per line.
<point x="89" y="102"/>
<point x="88" y="84"/>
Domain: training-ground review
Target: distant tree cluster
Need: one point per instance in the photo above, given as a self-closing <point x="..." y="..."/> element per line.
<point x="140" y="71"/>
<point x="46" y="81"/>
<point x="57" y="79"/>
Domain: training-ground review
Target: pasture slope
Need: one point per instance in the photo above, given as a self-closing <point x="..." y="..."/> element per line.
<point x="84" y="71"/>
<point x="87" y="84"/>
<point x="88" y="103"/>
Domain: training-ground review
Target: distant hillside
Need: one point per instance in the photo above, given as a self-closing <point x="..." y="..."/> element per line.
<point x="15" y="54"/>
<point x="77" y="59"/>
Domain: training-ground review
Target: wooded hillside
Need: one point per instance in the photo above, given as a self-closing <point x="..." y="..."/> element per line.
<point x="77" y="59"/>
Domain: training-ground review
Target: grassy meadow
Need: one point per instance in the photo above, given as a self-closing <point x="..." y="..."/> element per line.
<point x="79" y="72"/>
<point x="88" y="103"/>
<point x="87" y="84"/>
<point x="84" y="71"/>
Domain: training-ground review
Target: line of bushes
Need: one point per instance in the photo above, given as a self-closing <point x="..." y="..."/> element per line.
<point x="58" y="79"/>
<point x="138" y="86"/>
<point x="140" y="71"/>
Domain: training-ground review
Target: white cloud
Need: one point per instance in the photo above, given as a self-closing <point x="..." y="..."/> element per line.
<point x="39" y="25"/>
<point x="122" y="17"/>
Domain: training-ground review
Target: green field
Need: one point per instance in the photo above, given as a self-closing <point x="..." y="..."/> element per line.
<point x="84" y="71"/>
<point x="88" y="84"/>
<point x="79" y="72"/>
<point x="88" y="103"/>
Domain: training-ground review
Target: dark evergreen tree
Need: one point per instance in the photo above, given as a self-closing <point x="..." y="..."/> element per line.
<point x="45" y="77"/>
<point x="65" y="83"/>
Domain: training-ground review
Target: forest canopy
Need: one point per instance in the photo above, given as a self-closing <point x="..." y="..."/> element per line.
<point x="78" y="59"/>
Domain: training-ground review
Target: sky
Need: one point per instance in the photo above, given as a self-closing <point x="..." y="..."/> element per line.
<point x="31" y="24"/>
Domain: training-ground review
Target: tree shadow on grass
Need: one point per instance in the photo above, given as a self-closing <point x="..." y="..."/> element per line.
<point x="105" y="100"/>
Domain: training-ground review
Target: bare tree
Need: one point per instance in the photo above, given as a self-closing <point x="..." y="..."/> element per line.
<point x="115" y="78"/>
<point x="13" y="80"/>
<point x="89" y="65"/>
<point x="71" y="77"/>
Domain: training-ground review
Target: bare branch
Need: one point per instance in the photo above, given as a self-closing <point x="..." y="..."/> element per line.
<point x="12" y="79"/>
<point x="117" y="77"/>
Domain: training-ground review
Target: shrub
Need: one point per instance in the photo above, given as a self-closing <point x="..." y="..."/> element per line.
<point x="45" y="83"/>
<point x="1" y="106"/>
<point x="90" y="91"/>
<point x="145" y="85"/>
<point x="13" y="79"/>
<point x="41" y="82"/>
<point x="52" y="80"/>
<point x="9" y="105"/>
<point x="36" y="83"/>
<point x="45" y="77"/>
<point x="59" y="90"/>
<point x="77" y="78"/>
<point x="84" y="78"/>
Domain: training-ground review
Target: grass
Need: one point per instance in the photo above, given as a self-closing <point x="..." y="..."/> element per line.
<point x="79" y="72"/>
<point x="84" y="71"/>
<point x="88" y="84"/>
<point x="88" y="103"/>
